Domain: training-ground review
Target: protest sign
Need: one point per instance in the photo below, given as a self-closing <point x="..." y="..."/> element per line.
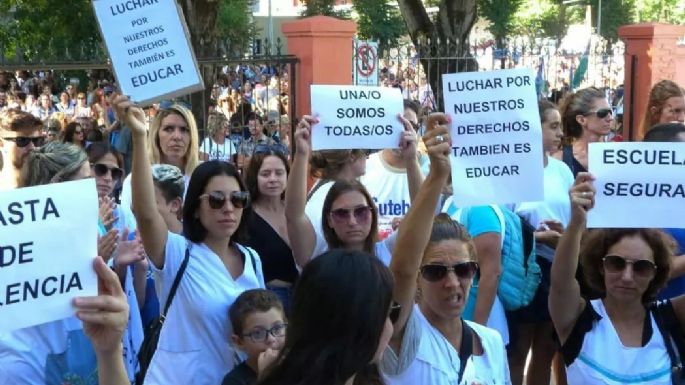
<point x="356" y="117"/>
<point x="496" y="137"/>
<point x="638" y="184"/>
<point x="48" y="240"/>
<point x="147" y="41"/>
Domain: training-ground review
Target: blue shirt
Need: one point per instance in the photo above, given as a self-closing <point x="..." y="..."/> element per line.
<point x="676" y="286"/>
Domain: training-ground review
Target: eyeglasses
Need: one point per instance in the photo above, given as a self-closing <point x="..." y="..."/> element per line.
<point x="435" y="272"/>
<point x="395" y="310"/>
<point x="166" y="105"/>
<point x="261" y="335"/>
<point x="23" y="141"/>
<point x="617" y="263"/>
<point x="217" y="199"/>
<point x="601" y="113"/>
<point x="277" y="148"/>
<point x="102" y="170"/>
<point x="361" y="214"/>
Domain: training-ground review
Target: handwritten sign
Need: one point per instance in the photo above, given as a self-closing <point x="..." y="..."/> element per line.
<point x="638" y="184"/>
<point x="352" y="117"/>
<point x="48" y="240"/>
<point x="148" y="43"/>
<point x="496" y="137"/>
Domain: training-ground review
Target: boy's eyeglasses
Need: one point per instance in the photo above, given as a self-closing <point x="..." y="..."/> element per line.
<point x="23" y="141"/>
<point x="277" y="148"/>
<point x="261" y="335"/>
<point x="217" y="199"/>
<point x="601" y="113"/>
<point x="436" y="272"/>
<point x="616" y="264"/>
<point x="361" y="214"/>
<point x="101" y="170"/>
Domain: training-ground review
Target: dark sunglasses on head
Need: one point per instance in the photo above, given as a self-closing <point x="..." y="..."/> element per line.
<point x="601" y="113"/>
<point x="616" y="264"/>
<point x="395" y="310"/>
<point x="166" y="105"/>
<point x="277" y="148"/>
<point x="102" y="170"/>
<point x="23" y="141"/>
<point x="436" y="272"/>
<point x="217" y="199"/>
<point x="361" y="214"/>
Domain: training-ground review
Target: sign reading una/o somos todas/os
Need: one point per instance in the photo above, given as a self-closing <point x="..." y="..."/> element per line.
<point x="353" y="117"/>
<point x="638" y="184"/>
<point x="48" y="240"/>
<point x="496" y="137"/>
<point x="148" y="43"/>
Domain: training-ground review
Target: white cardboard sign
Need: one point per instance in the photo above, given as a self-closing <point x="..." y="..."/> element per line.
<point x="496" y="137"/>
<point x="354" y="117"/>
<point x="48" y="240"/>
<point x="638" y="184"/>
<point x="148" y="44"/>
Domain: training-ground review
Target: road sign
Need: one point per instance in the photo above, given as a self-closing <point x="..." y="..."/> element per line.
<point x="365" y="63"/>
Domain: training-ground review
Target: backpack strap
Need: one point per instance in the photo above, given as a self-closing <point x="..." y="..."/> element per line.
<point x="465" y="348"/>
<point x="174" y="286"/>
<point x="667" y="322"/>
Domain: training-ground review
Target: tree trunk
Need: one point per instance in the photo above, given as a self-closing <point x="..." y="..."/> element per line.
<point x="443" y="44"/>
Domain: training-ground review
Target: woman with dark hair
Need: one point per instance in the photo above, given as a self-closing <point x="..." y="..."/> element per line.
<point x="666" y="105"/>
<point x="434" y="264"/>
<point x="65" y="105"/>
<point x="348" y="217"/>
<point x="266" y="178"/>
<point x="586" y="118"/>
<point x="73" y="133"/>
<point x="616" y="338"/>
<point x="340" y="322"/>
<point x="214" y="268"/>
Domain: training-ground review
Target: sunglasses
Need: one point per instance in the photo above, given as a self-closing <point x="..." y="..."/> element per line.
<point x="616" y="264"/>
<point x="361" y="214"/>
<point x="23" y="141"/>
<point x="166" y="105"/>
<point x="277" y="148"/>
<point x="261" y="335"/>
<point x="102" y="170"/>
<point x="217" y="199"/>
<point x="395" y="310"/>
<point x="601" y="113"/>
<point x="435" y="272"/>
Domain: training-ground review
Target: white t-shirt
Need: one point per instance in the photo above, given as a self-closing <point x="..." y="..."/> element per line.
<point x="194" y="344"/>
<point x="313" y="210"/>
<point x="558" y="180"/>
<point x="218" y="151"/>
<point x="426" y="357"/>
<point x="389" y="189"/>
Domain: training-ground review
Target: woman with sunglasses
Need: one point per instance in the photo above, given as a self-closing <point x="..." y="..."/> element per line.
<point x="431" y="343"/>
<point x="81" y="109"/>
<point x="613" y="339"/>
<point x="73" y="133"/>
<point x="586" y="118"/>
<point x="193" y="344"/>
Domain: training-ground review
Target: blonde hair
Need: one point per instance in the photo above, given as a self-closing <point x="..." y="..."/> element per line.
<point x="328" y="164"/>
<point x="215" y="123"/>
<point x="660" y="93"/>
<point x="191" y="158"/>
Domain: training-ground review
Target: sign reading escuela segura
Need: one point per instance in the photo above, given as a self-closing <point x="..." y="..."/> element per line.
<point x="148" y="43"/>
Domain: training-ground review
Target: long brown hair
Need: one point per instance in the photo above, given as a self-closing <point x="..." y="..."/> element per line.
<point x="340" y="187"/>
<point x="660" y="93"/>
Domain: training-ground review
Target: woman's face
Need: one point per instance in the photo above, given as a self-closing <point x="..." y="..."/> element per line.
<point x="673" y="110"/>
<point x="174" y="139"/>
<point x="224" y="221"/>
<point x="350" y="218"/>
<point x="627" y="285"/>
<point x="551" y="130"/>
<point x="106" y="182"/>
<point x="594" y="124"/>
<point x="64" y="97"/>
<point x="81" y="100"/>
<point x="445" y="298"/>
<point x="78" y="134"/>
<point x="272" y="177"/>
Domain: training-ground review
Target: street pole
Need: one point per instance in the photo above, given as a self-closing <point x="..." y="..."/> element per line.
<point x="599" y="17"/>
<point x="271" y="27"/>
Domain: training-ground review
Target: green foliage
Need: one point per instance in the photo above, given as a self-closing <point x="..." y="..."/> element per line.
<point x="615" y="13"/>
<point x="545" y="19"/>
<point x="379" y="21"/>
<point x="235" y="25"/>
<point x="323" y="8"/>
<point x="661" y="11"/>
<point x="500" y="13"/>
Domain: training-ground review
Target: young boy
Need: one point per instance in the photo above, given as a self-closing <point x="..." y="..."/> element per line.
<point x="259" y="324"/>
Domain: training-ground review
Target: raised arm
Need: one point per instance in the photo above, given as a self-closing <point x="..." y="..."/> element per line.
<point x="303" y="240"/>
<point x="565" y="302"/>
<point x="408" y="146"/>
<point x="151" y="225"/>
<point x="414" y="232"/>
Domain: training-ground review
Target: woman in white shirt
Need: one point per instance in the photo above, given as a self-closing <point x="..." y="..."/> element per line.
<point x="216" y="146"/>
<point x="193" y="344"/>
<point x="431" y="343"/>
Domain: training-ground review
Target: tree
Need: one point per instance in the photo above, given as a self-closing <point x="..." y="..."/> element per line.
<point x="500" y="13"/>
<point x="323" y="8"/>
<point x="446" y="36"/>
<point x="615" y="13"/>
<point x="545" y="19"/>
<point x="379" y="21"/>
<point x="661" y="11"/>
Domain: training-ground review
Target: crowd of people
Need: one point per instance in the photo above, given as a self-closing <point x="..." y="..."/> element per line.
<point x="277" y="264"/>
